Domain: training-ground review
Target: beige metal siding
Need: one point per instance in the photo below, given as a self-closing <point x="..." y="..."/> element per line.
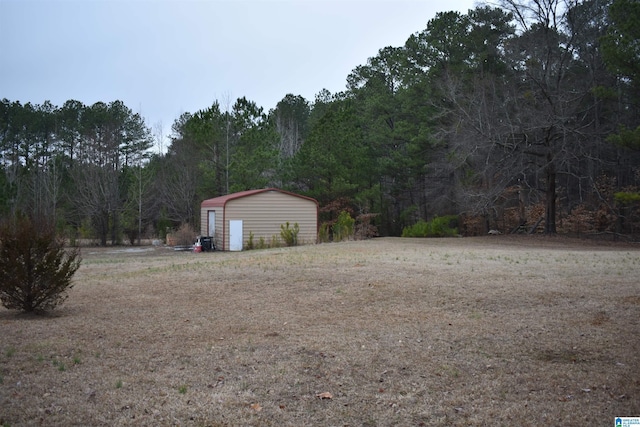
<point x="204" y="224"/>
<point x="204" y="217"/>
<point x="220" y="230"/>
<point x="263" y="213"/>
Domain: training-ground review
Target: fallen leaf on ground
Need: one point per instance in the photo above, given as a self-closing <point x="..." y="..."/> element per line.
<point x="256" y="407"/>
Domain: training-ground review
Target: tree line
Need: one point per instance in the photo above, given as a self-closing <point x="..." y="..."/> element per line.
<point x="507" y="117"/>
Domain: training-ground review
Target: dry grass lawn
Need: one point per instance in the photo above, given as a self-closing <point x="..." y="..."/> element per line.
<point x="412" y="332"/>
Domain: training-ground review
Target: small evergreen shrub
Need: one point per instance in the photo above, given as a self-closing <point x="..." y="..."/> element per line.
<point x="35" y="268"/>
<point x="344" y="227"/>
<point x="261" y="243"/>
<point x="419" y="229"/>
<point x="250" y="243"/>
<point x="323" y="233"/>
<point x="443" y="226"/>
<point x="289" y="234"/>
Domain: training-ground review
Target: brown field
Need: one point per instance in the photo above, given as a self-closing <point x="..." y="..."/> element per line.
<point x="404" y="332"/>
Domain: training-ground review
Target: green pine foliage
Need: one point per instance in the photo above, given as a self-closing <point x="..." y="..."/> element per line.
<point x="452" y="121"/>
<point x="35" y="268"/>
<point x="626" y="198"/>
<point x="440" y="226"/>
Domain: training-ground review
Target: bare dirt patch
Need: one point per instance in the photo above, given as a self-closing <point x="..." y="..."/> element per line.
<point x="477" y="331"/>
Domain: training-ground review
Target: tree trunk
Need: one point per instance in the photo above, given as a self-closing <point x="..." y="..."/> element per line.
<point x="550" y="212"/>
<point x="115" y="224"/>
<point x="103" y="227"/>
<point x="521" y="206"/>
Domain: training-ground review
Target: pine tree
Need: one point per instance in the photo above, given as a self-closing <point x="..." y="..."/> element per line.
<point x="35" y="268"/>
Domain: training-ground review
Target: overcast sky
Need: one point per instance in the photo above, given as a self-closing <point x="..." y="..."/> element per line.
<point x="166" y="57"/>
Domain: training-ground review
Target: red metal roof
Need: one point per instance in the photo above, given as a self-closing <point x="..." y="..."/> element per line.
<point x="222" y="200"/>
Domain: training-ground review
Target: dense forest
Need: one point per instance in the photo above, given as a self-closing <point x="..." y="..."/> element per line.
<point x="508" y="117"/>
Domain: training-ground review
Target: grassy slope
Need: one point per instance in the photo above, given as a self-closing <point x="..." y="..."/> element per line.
<point x="400" y="332"/>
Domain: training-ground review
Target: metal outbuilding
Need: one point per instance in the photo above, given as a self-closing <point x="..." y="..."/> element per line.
<point x="231" y="219"/>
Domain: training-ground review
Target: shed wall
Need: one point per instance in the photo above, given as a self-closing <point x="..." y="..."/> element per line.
<point x="263" y="213"/>
<point x="204" y="224"/>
